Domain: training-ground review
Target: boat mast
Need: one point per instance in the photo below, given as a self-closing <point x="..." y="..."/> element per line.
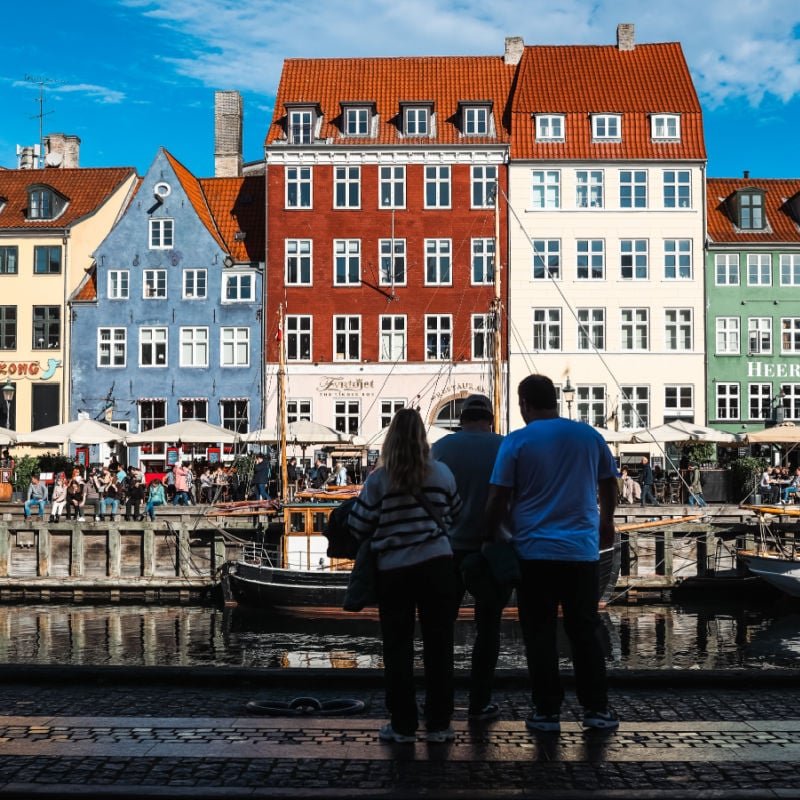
<point x="282" y="405"/>
<point x="495" y="316"/>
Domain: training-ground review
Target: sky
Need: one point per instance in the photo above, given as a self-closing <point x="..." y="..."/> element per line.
<point x="130" y="76"/>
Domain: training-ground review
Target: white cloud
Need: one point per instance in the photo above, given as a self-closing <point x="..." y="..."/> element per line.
<point x="102" y="94"/>
<point x="735" y="48"/>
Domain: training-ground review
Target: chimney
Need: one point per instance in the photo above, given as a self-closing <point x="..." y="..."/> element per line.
<point x="62" y="151"/>
<point x="746" y="174"/>
<point x="626" y="36"/>
<point x="28" y="157"/>
<point x="515" y="46"/>
<point x="227" y="134"/>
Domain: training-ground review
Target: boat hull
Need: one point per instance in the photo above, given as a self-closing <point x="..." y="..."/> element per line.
<point x="782" y="573"/>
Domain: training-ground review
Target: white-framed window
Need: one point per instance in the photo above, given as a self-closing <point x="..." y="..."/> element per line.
<point x="476" y="120"/>
<point x="591" y="259"/>
<point x="546" y="329"/>
<point x="677" y="259"/>
<point x="759" y="397"/>
<point x="791" y="400"/>
<point x="195" y="284"/>
<point x="546" y="259"/>
<point x="482" y="337"/>
<point x="193" y="408"/>
<point x="482" y="261"/>
<point x="633" y="188"/>
<point x="790" y="335"/>
<point x="356" y="121"/>
<point x="346" y="262"/>
<point x="438" y="263"/>
<point x="790" y="269"/>
<point x="392" y="255"/>
<point x="389" y="408"/>
<point x="591" y="405"/>
<point x="606" y="126"/>
<point x="238" y="287"/>
<point x="347" y="187"/>
<point x="550" y="127"/>
<point x="152" y="414"/>
<point x="483" y="186"/>
<point x="635" y="407"/>
<point x="161" y="234"/>
<point x="634" y="329"/>
<point x="194" y="347"/>
<point x="665" y="126"/>
<point x="416" y="121"/>
<point x="437" y="187"/>
<point x="118" y="284"/>
<point x="679" y="401"/>
<point x="154" y="284"/>
<point x="751" y="210"/>
<point x="298" y="262"/>
<point x="234" y="414"/>
<point x="438" y="337"/>
<point x="759" y="335"/>
<point x="759" y="269"/>
<point x="347" y="338"/>
<point x="234" y="347"/>
<point x="589" y="188"/>
<point x="299" y="186"/>
<point x="727" y="401"/>
<point x="392" y="187"/>
<point x="678" y="328"/>
<point x="727" y="330"/>
<point x="41" y="203"/>
<point x="726" y="269"/>
<point x="634" y="259"/>
<point x="677" y="188"/>
<point x="591" y="328"/>
<point x="393" y="337"/>
<point x="298" y="409"/>
<point x="545" y="188"/>
<point x="153" y="347"/>
<point x="347" y="416"/>
<point x="112" y="347"/>
<point x="298" y="337"/>
<point x="301" y="126"/>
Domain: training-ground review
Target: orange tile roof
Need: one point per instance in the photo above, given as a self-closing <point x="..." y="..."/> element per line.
<point x="387" y="82"/>
<point x="87" y="289"/>
<point x="579" y="80"/>
<point x="781" y="225"/>
<point x="238" y="207"/>
<point x="85" y="188"/>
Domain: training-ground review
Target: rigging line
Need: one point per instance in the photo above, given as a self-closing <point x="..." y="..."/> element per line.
<point x="526" y="355"/>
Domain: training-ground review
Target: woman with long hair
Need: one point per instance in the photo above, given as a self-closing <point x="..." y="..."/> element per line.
<point x="405" y="507"/>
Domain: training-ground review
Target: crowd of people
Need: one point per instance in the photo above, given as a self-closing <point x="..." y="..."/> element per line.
<point x="779" y="485"/>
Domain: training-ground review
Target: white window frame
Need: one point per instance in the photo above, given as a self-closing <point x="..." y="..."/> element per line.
<point x="357" y="121"/>
<point x="393" y="269"/>
<point x="678" y="260"/>
<point x="196" y="339"/>
<point x="589" y="188"/>
<point x="482" y="267"/>
<point x="301" y="123"/>
<point x="299" y="409"/>
<point x="417" y="121"/>
<point x="665" y="126"/>
<point x="759" y="269"/>
<point x="759" y="401"/>
<point x="192" y="293"/>
<point x="162" y="233"/>
<point x="545" y="189"/>
<point x="393" y="337"/>
<point x="299" y="331"/>
<point x="633" y="189"/>
<point x="392" y="186"/>
<point x="483" y="186"/>
<point x="347" y="256"/>
<point x="347" y="186"/>
<point x="676" y="406"/>
<point x="790" y="269"/>
<point x="759" y="336"/>
<point x="678" y="329"/>
<point x="790" y="336"/>
<point x="157" y="339"/>
<point x="301" y="252"/>
<point x="438" y="262"/>
<point x="234" y="283"/>
<point x="477" y="120"/>
<point x="726" y="268"/>
<point x="550" y="128"/>
<point x="389" y="407"/>
<point x="607" y="127"/>
<point x="547" y="334"/>
<point x="590" y="404"/>
<point x="546" y="253"/>
<point x="113" y="351"/>
<point x="347" y="415"/>
<point x="437" y="191"/>
<point x="157" y="279"/>
<point x="347" y="337"/>
<point x="591" y="328"/>
<point x="727" y="336"/>
<point x="635" y="406"/>
<point x="634" y="257"/>
<point x="119" y="284"/>
<point x="791" y="400"/>
<point x="634" y="330"/>
<point x="299" y="187"/>
<point x="677" y="188"/>
<point x="482" y="336"/>
<point x="728" y="401"/>
<point x="231" y="340"/>
<point x="438" y="337"/>
<point x="590" y="256"/>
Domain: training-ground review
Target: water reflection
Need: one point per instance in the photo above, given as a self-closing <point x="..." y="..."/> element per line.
<point x="636" y="637"/>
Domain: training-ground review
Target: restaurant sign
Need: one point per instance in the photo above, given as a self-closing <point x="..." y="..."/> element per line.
<point x="346" y="387"/>
<point x="29" y="369"/>
<point x="769" y="369"/>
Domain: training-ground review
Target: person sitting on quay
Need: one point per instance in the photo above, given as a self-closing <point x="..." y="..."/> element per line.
<point x="155" y="497"/>
<point x="93" y="493"/>
<point x="792" y="488"/>
<point x="59" y="497"/>
<point x="37" y="496"/>
<point x="134" y="497"/>
<point x="75" y="497"/>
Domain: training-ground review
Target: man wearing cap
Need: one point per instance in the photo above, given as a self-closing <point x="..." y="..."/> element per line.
<point x="470" y="455"/>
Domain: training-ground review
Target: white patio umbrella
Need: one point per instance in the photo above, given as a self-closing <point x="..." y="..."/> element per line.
<point x="302" y="432"/>
<point x="616" y="437"/>
<point x="681" y="431"/>
<point x="7" y="436"/>
<point x="79" y="431"/>
<point x="783" y="433"/>
<point x="190" y="430"/>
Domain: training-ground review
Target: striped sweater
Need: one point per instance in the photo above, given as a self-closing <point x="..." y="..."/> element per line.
<point x="402" y="531"/>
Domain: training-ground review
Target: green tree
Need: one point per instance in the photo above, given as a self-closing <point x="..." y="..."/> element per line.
<point x="23" y="469"/>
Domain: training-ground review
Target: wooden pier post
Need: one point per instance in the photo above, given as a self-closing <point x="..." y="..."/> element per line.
<point x="43" y="565"/>
<point x="5" y="548"/>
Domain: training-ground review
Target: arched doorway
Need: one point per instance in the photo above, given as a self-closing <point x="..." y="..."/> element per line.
<point x="448" y="413"/>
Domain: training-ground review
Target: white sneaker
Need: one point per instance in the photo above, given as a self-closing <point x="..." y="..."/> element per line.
<point x="388" y="734"/>
<point x="446" y="735"/>
<point x="81" y="519"/>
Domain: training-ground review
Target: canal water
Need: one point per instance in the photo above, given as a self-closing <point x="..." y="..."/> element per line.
<point x="637" y="637"/>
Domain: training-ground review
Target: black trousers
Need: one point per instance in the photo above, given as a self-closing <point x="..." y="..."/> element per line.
<point x="485" y="651"/>
<point x="574" y="586"/>
<point x="427" y="588"/>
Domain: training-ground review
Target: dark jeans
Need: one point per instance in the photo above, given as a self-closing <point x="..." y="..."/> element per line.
<point x="488" y="615"/>
<point x="427" y="587"/>
<point x="573" y="585"/>
<point x="647" y="492"/>
<point x="132" y="508"/>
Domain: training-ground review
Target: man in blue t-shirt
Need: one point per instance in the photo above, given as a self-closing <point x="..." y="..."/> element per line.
<point x="552" y="472"/>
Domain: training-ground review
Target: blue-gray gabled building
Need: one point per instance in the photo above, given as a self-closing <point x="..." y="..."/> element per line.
<point x="167" y="324"/>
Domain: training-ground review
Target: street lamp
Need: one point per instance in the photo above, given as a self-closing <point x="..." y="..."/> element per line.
<point x="568" y="393"/>
<point x="8" y="396"/>
<point x="108" y="412"/>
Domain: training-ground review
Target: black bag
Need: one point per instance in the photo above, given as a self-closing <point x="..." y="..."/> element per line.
<point x="342" y="542"/>
<point x="362" y="588"/>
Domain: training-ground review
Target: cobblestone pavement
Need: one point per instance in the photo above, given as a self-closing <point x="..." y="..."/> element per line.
<point x="139" y="733"/>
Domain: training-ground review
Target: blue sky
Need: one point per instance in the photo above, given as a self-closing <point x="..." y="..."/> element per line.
<point x="131" y="75"/>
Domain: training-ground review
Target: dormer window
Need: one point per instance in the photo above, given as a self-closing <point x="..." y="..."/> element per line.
<point x="665" y="126"/>
<point x="550" y="127"/>
<point x="750" y="210"/>
<point x="606" y="127"/>
<point x="417" y="119"/>
<point x="476" y="119"/>
<point x="356" y="120"/>
<point x="44" y="203"/>
<point x="301" y="124"/>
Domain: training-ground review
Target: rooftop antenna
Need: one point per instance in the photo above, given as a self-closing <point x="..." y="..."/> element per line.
<point x="42" y="82"/>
